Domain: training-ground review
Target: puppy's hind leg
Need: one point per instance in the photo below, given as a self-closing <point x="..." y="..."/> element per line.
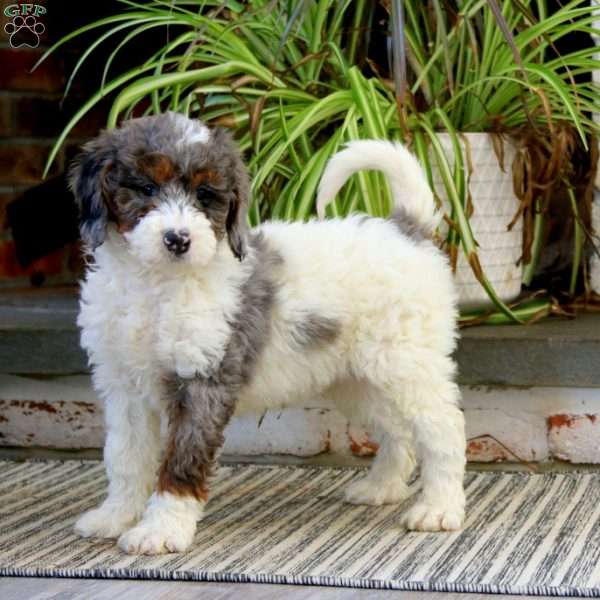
<point x="385" y="482"/>
<point x="130" y="457"/>
<point x="439" y="434"/>
<point x="419" y="389"/>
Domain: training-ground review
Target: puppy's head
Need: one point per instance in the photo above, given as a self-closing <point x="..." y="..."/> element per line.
<point x="173" y="189"/>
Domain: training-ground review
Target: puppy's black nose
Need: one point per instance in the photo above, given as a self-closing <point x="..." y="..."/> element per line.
<point x="177" y="242"/>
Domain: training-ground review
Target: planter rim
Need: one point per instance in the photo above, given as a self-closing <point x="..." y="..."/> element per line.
<point x="478" y="140"/>
<point x="474" y="134"/>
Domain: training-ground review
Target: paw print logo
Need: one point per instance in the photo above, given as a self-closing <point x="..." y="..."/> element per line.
<point x="24" y="31"/>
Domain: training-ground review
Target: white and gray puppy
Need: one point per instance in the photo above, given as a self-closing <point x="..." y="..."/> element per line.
<point x="188" y="315"/>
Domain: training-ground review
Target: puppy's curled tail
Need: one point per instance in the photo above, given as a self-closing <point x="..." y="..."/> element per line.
<point x="412" y="196"/>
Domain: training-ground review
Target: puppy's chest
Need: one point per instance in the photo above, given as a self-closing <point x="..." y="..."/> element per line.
<point x="192" y="329"/>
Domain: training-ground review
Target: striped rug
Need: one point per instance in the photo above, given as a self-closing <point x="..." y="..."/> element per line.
<point x="533" y="534"/>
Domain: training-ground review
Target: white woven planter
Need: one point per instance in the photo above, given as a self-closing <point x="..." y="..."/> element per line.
<point x="494" y="206"/>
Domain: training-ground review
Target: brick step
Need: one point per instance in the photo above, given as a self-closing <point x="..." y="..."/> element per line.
<point x="529" y="393"/>
<point x="38" y="335"/>
<point x="535" y="424"/>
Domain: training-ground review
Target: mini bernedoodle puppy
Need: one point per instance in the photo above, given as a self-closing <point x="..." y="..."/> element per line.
<point x="187" y="314"/>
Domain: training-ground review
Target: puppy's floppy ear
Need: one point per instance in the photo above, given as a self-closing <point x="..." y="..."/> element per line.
<point x="87" y="180"/>
<point x="237" y="217"/>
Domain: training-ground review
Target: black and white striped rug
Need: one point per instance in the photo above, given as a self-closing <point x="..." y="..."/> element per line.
<point x="533" y="534"/>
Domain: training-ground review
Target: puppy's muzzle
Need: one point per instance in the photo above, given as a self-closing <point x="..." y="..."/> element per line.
<point x="178" y="242"/>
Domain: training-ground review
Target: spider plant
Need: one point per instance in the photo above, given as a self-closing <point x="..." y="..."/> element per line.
<point x="296" y="80"/>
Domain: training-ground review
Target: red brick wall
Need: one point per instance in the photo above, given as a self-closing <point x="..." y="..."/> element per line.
<point x="31" y="117"/>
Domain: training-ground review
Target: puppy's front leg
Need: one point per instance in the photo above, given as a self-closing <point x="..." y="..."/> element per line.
<point x="199" y="410"/>
<point x="131" y="455"/>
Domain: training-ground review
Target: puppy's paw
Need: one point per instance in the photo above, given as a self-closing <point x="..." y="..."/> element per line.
<point x="105" y="522"/>
<point x="150" y="538"/>
<point x="375" y="493"/>
<point x="423" y="516"/>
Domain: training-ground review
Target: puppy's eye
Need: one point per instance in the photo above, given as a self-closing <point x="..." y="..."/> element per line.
<point x="149" y="189"/>
<point x="205" y="195"/>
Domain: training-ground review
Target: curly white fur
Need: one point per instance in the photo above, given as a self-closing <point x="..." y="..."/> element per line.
<point x="142" y="316"/>
<point x="403" y="171"/>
